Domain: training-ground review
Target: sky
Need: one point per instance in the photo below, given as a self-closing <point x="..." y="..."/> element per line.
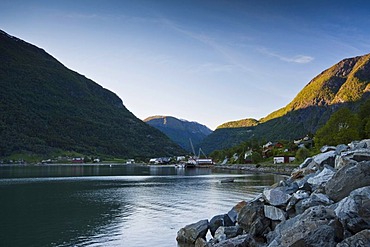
<point x="209" y="61"/>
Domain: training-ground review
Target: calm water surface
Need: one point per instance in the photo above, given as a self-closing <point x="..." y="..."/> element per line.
<point x="113" y="205"/>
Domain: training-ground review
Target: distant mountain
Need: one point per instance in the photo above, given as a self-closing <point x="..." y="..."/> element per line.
<point x="344" y="84"/>
<point x="47" y="108"/>
<point x="248" y="122"/>
<point x="180" y="131"/>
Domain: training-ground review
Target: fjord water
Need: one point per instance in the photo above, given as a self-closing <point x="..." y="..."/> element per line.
<point x="113" y="205"/>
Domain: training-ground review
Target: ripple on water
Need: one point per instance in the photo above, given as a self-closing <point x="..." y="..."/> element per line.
<point x="125" y="210"/>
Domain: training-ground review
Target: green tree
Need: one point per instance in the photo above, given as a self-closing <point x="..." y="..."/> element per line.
<point x="367" y="129"/>
<point x="342" y="127"/>
<point x="364" y="115"/>
<point x="256" y="157"/>
<point x="302" y="154"/>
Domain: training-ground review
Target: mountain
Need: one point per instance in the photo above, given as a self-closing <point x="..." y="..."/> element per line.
<point x="47" y="108"/>
<point x="180" y="131"/>
<point x="248" y="122"/>
<point x="344" y="84"/>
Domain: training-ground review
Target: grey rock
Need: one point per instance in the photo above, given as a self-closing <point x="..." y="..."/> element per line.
<point x="290" y="188"/>
<point x="350" y="156"/>
<point x="361" y="239"/>
<point x="190" y="233"/>
<point x="326" y="235"/>
<point x="354" y="210"/>
<point x="240" y="241"/>
<point x="200" y="242"/>
<point x="343" y="160"/>
<point x="276" y="196"/>
<point x="274" y="213"/>
<point x="252" y="219"/>
<point x="348" y="178"/>
<point x="353" y="144"/>
<point x="361" y="156"/>
<point x="341" y="148"/>
<point x="360" y="144"/>
<point x="219" y="220"/>
<point x="299" y="195"/>
<point x="303" y="184"/>
<point x="226" y="232"/>
<point x="298" y="173"/>
<point x="321" y="178"/>
<point x="327" y="158"/>
<point x="318" y="221"/>
<point x="306" y="163"/>
<point x="234" y="212"/>
<point x="315" y="199"/>
<point x="326" y="148"/>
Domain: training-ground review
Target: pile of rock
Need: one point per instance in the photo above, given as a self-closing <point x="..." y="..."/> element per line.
<point x="325" y="202"/>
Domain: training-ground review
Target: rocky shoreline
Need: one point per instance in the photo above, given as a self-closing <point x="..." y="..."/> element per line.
<point x="324" y="202"/>
<point x="251" y="168"/>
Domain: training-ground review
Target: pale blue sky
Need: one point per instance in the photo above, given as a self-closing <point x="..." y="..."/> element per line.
<point x="205" y="61"/>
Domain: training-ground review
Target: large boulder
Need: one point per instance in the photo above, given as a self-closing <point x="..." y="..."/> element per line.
<point x="343" y="160"/>
<point x="226" y="232"/>
<point x="239" y="241"/>
<point x="315" y="199"/>
<point x="351" y="156"/>
<point x="340" y="148"/>
<point x="200" y="242"/>
<point x="347" y="179"/>
<point x="276" y="196"/>
<point x="252" y="219"/>
<point x="190" y="233"/>
<point x="360" y="144"/>
<point x="274" y="213"/>
<point x="361" y="239"/>
<point x="326" y="158"/>
<point x="354" y="210"/>
<point x="321" y="178"/>
<point x="233" y="213"/>
<point x="305" y="163"/>
<point x="219" y="220"/>
<point x="297" y="196"/>
<point x="317" y="226"/>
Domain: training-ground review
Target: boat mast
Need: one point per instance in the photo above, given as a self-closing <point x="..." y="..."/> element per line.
<point x="192" y="147"/>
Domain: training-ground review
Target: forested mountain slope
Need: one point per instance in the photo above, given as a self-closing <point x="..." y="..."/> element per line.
<point x="344" y="84"/>
<point x="180" y="131"/>
<point x="47" y="108"/>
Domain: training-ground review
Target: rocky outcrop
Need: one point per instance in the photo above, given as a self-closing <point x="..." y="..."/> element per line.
<point x="325" y="202"/>
<point x="348" y="178"/>
<point x="306" y="229"/>
<point x="190" y="233"/>
<point x="361" y="239"/>
<point x="219" y="220"/>
<point x="253" y="220"/>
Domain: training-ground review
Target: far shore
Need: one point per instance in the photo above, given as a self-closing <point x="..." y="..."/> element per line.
<point x="253" y="168"/>
<point x="247" y="168"/>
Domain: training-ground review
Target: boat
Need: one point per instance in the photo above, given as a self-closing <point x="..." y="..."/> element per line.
<point x="181" y="165"/>
<point x="191" y="163"/>
<point x="196" y="161"/>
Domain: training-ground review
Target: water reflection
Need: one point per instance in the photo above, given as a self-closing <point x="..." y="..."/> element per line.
<point x="113" y="205"/>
